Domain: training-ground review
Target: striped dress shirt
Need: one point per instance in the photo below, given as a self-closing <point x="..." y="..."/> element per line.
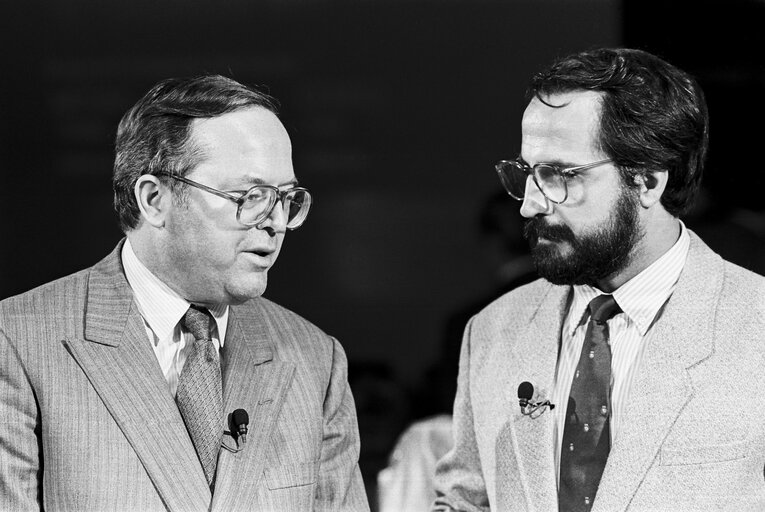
<point x="162" y="309"/>
<point x="641" y="300"/>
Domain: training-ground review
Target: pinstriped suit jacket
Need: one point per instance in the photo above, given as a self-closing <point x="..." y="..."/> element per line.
<point x="693" y="435"/>
<point x="87" y="421"/>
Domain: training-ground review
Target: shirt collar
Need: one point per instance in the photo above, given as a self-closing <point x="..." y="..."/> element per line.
<point x="160" y="306"/>
<point x="641" y="297"/>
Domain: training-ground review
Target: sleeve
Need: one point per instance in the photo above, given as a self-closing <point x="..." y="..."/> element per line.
<point x="20" y="441"/>
<point x="460" y="484"/>
<point x="340" y="486"/>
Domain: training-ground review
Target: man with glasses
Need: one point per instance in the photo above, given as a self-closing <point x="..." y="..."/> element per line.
<point x="630" y="376"/>
<point x="160" y="379"/>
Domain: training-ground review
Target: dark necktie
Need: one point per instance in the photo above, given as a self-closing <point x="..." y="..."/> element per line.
<point x="200" y="390"/>
<point x="586" y="434"/>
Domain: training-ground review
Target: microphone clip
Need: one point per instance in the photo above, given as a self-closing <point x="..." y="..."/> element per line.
<point x="529" y="407"/>
<point x="238" y="422"/>
<point x="535" y="409"/>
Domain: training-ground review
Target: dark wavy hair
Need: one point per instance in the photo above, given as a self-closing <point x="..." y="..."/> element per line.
<point x="155" y="134"/>
<point x="653" y="116"/>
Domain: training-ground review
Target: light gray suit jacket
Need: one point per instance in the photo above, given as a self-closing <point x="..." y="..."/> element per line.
<point x="693" y="437"/>
<point x="87" y="421"/>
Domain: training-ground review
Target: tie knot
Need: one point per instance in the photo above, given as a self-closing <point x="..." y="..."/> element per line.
<point x="198" y="321"/>
<point x="603" y="307"/>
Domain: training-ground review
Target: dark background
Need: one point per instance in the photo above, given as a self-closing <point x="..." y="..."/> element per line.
<point x="397" y="111"/>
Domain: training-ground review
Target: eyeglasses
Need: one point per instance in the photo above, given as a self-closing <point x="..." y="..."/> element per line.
<point x="256" y="205"/>
<point x="549" y="178"/>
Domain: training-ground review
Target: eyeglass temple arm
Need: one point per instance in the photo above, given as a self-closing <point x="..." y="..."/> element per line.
<point x="586" y="166"/>
<point x="237" y="200"/>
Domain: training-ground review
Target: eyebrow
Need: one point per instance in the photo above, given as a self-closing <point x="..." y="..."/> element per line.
<point x="251" y="181"/>
<point x="556" y="162"/>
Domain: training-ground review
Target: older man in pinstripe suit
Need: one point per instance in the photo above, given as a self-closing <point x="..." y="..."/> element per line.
<point x="119" y="384"/>
<point x="626" y="357"/>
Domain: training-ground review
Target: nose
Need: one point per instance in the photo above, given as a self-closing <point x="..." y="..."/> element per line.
<point x="276" y="220"/>
<point x="534" y="201"/>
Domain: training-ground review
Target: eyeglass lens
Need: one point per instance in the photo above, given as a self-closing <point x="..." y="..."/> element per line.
<point x="550" y="182"/>
<point x="513" y="177"/>
<point x="260" y="201"/>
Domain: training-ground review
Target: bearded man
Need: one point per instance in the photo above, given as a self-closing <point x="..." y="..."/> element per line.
<point x="627" y="357"/>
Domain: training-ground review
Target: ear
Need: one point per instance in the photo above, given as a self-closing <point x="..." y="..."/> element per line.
<point x="651" y="186"/>
<point x="154" y="199"/>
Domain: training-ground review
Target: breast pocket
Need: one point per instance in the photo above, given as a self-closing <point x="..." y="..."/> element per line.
<point x="291" y="475"/>
<point x="703" y="454"/>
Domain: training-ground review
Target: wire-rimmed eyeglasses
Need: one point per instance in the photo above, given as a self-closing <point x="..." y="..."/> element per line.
<point x="256" y="205"/>
<point x="550" y="179"/>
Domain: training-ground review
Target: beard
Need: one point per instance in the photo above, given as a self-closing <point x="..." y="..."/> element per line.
<point x="594" y="255"/>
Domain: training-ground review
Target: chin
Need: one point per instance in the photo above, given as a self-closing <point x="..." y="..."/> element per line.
<point x="246" y="289"/>
<point x="562" y="247"/>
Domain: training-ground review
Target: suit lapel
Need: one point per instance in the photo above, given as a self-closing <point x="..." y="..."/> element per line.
<point x="536" y="352"/>
<point x="253" y="381"/>
<point x="680" y="338"/>
<point x="117" y="359"/>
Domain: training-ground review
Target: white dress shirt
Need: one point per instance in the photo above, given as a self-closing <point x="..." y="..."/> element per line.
<point x="162" y="310"/>
<point x="641" y="300"/>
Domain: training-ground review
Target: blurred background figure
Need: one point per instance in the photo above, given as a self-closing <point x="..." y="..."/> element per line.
<point x="407" y="484"/>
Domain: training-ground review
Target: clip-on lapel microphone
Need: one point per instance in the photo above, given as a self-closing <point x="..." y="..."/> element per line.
<point x="528" y="406"/>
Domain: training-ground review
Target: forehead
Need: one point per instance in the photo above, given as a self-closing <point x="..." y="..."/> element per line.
<point x="249" y="144"/>
<point x="566" y="131"/>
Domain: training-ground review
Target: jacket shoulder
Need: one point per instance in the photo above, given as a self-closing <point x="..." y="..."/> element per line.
<point x="516" y="309"/>
<point x="291" y="334"/>
<point x="743" y="290"/>
<point x="522" y="301"/>
<point x="282" y="318"/>
<point x="47" y="313"/>
<point x="738" y="287"/>
<point x="54" y="298"/>
<point x="743" y="278"/>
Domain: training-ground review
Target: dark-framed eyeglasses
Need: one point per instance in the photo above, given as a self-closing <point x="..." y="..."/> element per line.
<point x="256" y="204"/>
<point x="550" y="179"/>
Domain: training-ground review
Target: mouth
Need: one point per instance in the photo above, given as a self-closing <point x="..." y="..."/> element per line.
<point x="538" y="232"/>
<point x="262" y="252"/>
<point x="262" y="257"/>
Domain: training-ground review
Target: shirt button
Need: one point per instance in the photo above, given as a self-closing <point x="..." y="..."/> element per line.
<point x="604" y="410"/>
<point x="592" y="354"/>
<point x="586" y="427"/>
<point x="571" y="447"/>
<point x="576" y="374"/>
<point x="586" y="500"/>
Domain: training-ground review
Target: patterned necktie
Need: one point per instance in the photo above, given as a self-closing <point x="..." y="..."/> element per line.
<point x="200" y="390"/>
<point x="586" y="434"/>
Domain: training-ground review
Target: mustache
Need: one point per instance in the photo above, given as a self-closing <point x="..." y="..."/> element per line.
<point x="536" y="228"/>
